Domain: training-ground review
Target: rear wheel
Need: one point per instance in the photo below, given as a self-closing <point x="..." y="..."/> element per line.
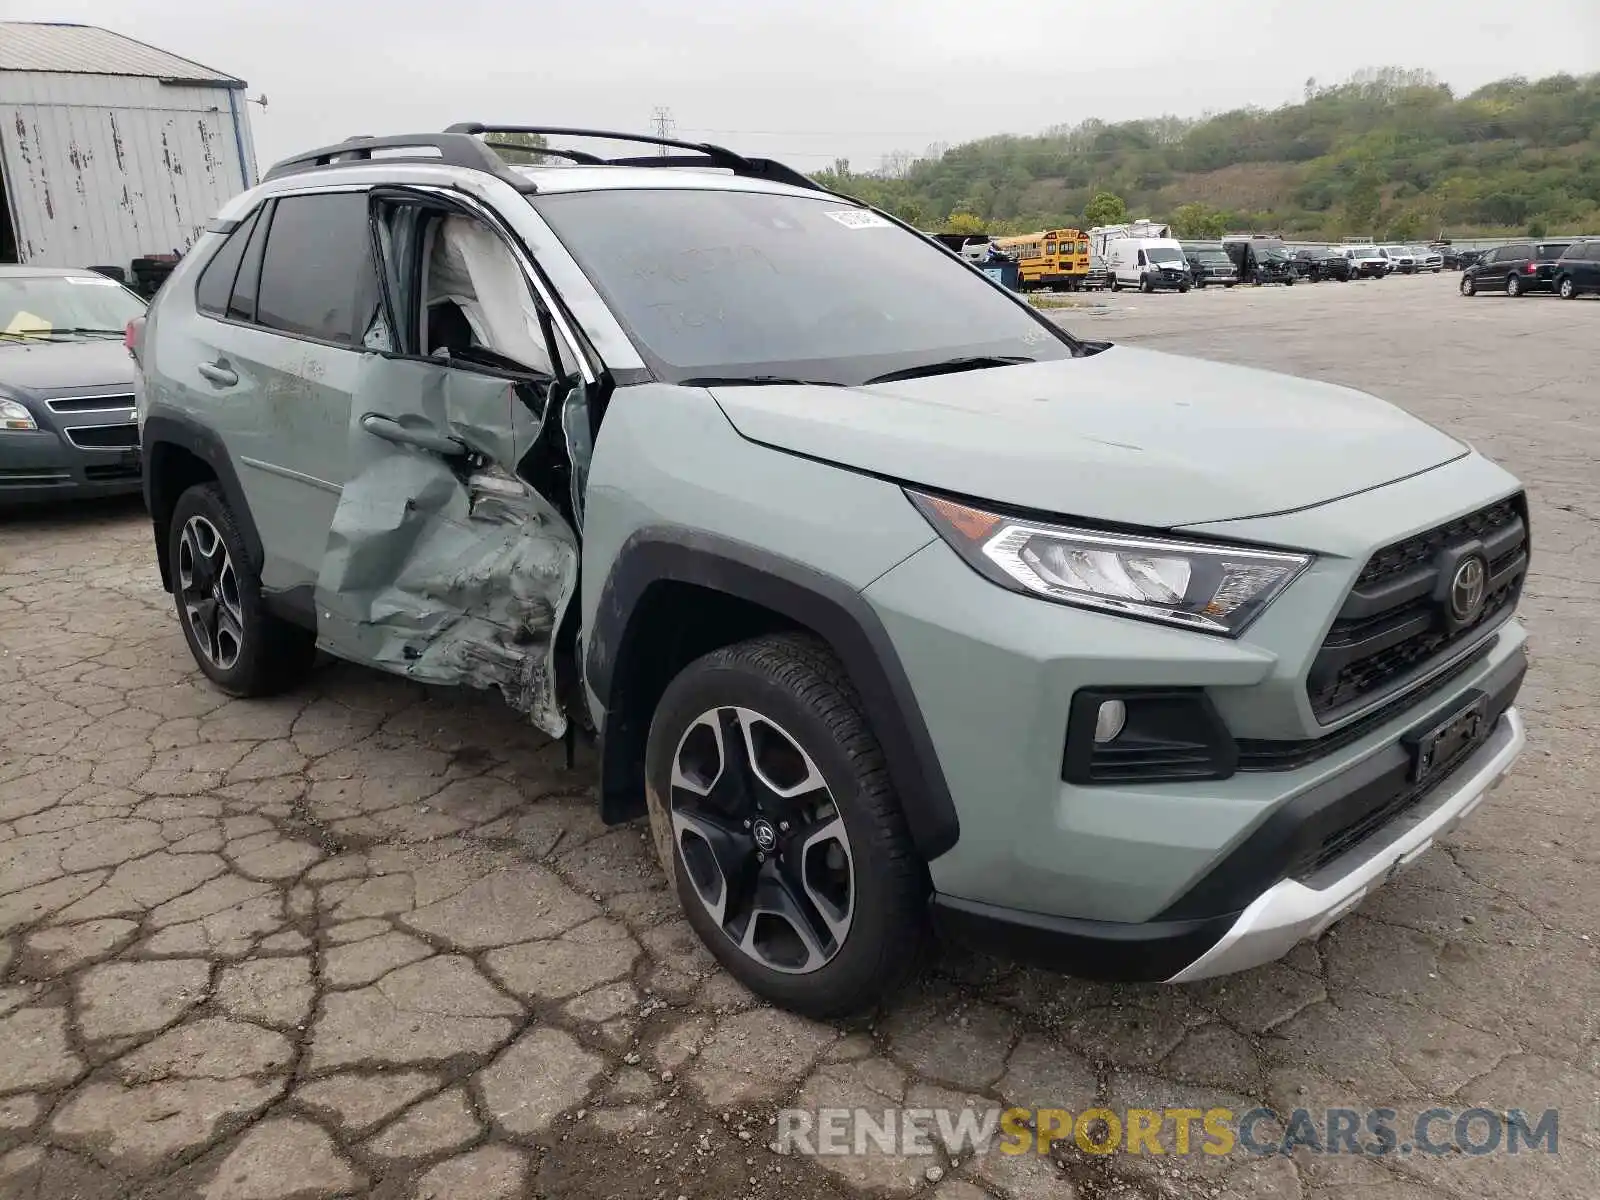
<point x="241" y="647"/>
<point x="773" y="814"/>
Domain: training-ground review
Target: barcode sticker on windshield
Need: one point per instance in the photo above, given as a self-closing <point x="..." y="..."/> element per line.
<point x="858" y="218"/>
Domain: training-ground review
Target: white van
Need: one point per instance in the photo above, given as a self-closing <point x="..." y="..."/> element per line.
<point x="1149" y="264"/>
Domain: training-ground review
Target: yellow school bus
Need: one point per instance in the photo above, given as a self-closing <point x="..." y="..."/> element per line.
<point x="1050" y="258"/>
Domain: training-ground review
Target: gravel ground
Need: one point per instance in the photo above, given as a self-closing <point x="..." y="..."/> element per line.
<point x="368" y="939"/>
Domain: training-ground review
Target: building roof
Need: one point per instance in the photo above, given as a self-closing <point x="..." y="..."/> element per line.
<point x="87" y="50"/>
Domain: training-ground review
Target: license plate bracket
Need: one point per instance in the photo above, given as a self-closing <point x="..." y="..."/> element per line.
<point x="1438" y="744"/>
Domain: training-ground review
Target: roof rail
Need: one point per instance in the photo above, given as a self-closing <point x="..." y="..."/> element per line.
<point x="464" y="145"/>
<point x="448" y="149"/>
<point x="699" y="152"/>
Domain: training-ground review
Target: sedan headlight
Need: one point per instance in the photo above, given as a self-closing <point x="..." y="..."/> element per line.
<point x="14" y="416"/>
<point x="1199" y="585"/>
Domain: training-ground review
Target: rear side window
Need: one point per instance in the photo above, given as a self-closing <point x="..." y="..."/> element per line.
<point x="242" y="304"/>
<point x="216" y="280"/>
<point x="317" y="276"/>
<point x="1551" y="249"/>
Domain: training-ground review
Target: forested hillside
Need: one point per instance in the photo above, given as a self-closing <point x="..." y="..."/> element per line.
<point x="1390" y="153"/>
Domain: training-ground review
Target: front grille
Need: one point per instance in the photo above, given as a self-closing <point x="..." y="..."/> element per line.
<point x="104" y="437"/>
<point x="1393" y="630"/>
<point x="120" y="402"/>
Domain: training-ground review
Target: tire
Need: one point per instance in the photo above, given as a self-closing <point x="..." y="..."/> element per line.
<point x="1113" y="284"/>
<point x="1145" y="286"/>
<point x="1183" y="289"/>
<point x="1468" y="286"/>
<point x="1513" y="285"/>
<point x="1288" y="283"/>
<point x="240" y="646"/>
<point x="787" y="688"/>
<point x="1566" y="289"/>
<point x="1227" y="285"/>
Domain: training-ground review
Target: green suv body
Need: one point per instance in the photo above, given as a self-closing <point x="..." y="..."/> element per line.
<point x="885" y="597"/>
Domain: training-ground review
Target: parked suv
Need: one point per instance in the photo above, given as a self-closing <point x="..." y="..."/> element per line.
<point x="1322" y="262"/>
<point x="1516" y="269"/>
<point x="1209" y="264"/>
<point x="886" y="596"/>
<point x="1578" y="270"/>
<point x="1367" y="262"/>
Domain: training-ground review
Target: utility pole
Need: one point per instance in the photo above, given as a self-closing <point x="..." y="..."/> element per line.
<point x="662" y="124"/>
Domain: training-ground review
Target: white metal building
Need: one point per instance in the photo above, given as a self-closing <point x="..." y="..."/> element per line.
<point x="110" y="149"/>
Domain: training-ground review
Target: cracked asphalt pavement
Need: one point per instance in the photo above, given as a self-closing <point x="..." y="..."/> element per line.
<point x="370" y="939"/>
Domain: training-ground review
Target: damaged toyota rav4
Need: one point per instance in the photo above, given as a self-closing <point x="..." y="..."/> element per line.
<point x="893" y="606"/>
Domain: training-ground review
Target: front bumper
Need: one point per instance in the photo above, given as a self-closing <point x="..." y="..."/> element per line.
<point x="1293" y="911"/>
<point x="1205" y="934"/>
<point x="41" y="466"/>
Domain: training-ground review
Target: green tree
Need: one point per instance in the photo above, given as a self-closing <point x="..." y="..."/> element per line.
<point x="1196" y="220"/>
<point x="1362" y="201"/>
<point x="1107" y="208"/>
<point x="962" y="221"/>
<point x="519" y="148"/>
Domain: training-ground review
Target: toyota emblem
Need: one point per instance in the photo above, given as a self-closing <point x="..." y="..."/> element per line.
<point x="1467" y="589"/>
<point x="766" y="836"/>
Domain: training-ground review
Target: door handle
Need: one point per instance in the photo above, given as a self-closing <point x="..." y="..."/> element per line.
<point x="219" y="372"/>
<point x="426" y="438"/>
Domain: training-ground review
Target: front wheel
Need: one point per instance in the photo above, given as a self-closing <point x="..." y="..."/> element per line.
<point x="1469" y="286"/>
<point x="1145" y="286"/>
<point x="773" y="813"/>
<point x="1183" y="289"/>
<point x="236" y="642"/>
<point x="1567" y="290"/>
<point x="1514" y="285"/>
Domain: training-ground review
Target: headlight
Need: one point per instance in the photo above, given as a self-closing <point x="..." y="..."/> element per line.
<point x="1201" y="586"/>
<point x="15" y="416"/>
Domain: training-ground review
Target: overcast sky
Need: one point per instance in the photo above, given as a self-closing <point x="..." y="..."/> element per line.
<point x="808" y="82"/>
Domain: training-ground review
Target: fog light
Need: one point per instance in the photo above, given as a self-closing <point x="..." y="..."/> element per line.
<point x="1109" y="719"/>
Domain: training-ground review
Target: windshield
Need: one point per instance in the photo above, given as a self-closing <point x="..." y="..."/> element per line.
<point x="727" y="284"/>
<point x="51" y="304"/>
<point x="1164" y="254"/>
<point x="1214" y="258"/>
<point x="1365" y="251"/>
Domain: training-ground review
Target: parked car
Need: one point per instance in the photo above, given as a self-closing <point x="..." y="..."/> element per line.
<point x="1261" y="260"/>
<point x="1429" y="258"/>
<point x="1516" y="269"/>
<point x="1209" y="264"/>
<point x="888" y="595"/>
<point x="67" y="426"/>
<point x="1578" y="269"/>
<point x="1323" y="262"/>
<point x="1402" y="259"/>
<point x="1098" y="277"/>
<point x="1367" y="262"/>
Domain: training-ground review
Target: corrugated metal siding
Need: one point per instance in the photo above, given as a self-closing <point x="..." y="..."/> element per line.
<point x="85" y="50"/>
<point x="102" y="169"/>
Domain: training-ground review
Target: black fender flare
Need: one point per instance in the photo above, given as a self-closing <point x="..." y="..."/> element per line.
<point x="830" y="608"/>
<point x="186" y="433"/>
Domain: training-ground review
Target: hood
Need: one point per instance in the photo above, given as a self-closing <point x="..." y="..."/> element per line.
<point x="41" y="366"/>
<point x="1126" y="436"/>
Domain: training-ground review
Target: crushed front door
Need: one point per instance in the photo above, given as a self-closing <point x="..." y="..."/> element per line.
<point x="442" y="564"/>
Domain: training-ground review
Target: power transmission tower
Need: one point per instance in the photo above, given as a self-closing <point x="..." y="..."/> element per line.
<point x="662" y="124"/>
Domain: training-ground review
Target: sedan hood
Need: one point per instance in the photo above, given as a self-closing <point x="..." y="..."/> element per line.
<point x="1125" y="436"/>
<point x="41" y="366"/>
